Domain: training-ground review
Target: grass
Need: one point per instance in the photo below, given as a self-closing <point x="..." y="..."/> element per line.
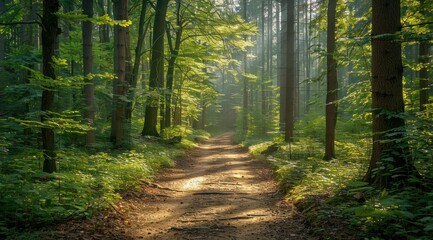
<point x="331" y="195"/>
<point x="85" y="183"/>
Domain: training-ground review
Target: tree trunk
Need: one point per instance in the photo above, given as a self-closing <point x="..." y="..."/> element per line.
<point x="174" y="51"/>
<point x="332" y="84"/>
<point x="156" y="81"/>
<point x="120" y="84"/>
<point x="307" y="62"/>
<point x="283" y="66"/>
<point x="290" y="72"/>
<point x="50" y="33"/>
<point x="245" y="78"/>
<point x="89" y="109"/>
<point x="137" y="59"/>
<point x="424" y="49"/>
<point x="423" y="55"/>
<point x="390" y="161"/>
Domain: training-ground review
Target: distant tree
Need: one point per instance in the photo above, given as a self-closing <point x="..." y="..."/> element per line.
<point x="390" y="160"/>
<point x="120" y="84"/>
<point x="332" y="83"/>
<point x="156" y="81"/>
<point x="89" y="108"/>
<point x="50" y="32"/>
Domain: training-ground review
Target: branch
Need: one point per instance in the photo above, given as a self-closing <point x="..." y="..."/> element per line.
<point x="418" y="24"/>
<point x="20" y="23"/>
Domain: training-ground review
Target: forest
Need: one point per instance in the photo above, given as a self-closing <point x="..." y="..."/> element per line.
<point x="105" y="102"/>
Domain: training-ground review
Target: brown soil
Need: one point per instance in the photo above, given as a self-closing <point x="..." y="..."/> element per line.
<point x="218" y="191"/>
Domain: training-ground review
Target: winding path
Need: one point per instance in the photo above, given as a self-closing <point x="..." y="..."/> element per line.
<point x="218" y="191"/>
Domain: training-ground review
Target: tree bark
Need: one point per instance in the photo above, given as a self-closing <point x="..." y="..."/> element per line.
<point x="120" y="84"/>
<point x="290" y="72"/>
<point x="332" y="84"/>
<point x="390" y="161"/>
<point x="50" y="33"/>
<point x="174" y="51"/>
<point x="156" y="81"/>
<point x="424" y="59"/>
<point x="89" y="109"/>
<point x="137" y="59"/>
<point x="245" y="78"/>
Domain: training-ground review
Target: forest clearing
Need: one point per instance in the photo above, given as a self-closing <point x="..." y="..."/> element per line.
<point x="216" y="119"/>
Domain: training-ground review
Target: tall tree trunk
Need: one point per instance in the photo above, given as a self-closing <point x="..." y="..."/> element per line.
<point x="307" y="61"/>
<point x="423" y="55"/>
<point x="50" y="33"/>
<point x="174" y="51"/>
<point x="290" y="72"/>
<point x="156" y="81"/>
<point x="137" y="59"/>
<point x="332" y="84"/>
<point x="245" y="78"/>
<point x="89" y="109"/>
<point x="283" y="66"/>
<point x="263" y="65"/>
<point x="120" y="84"/>
<point x="390" y="160"/>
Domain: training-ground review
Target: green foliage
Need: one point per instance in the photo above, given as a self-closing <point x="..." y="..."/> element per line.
<point x="85" y="182"/>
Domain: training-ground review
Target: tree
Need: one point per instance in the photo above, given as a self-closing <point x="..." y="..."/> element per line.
<point x="245" y="78"/>
<point x="424" y="48"/>
<point x="156" y="81"/>
<point x="288" y="84"/>
<point x="174" y="52"/>
<point x="142" y="30"/>
<point x="120" y="84"/>
<point x="390" y="161"/>
<point x="50" y="33"/>
<point x="332" y="83"/>
<point x="89" y="109"/>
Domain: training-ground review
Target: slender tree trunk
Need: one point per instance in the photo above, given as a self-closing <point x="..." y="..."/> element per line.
<point x="307" y="62"/>
<point x="390" y="160"/>
<point x="120" y="84"/>
<point x="263" y="64"/>
<point x="283" y="66"/>
<point x="245" y="78"/>
<point x="332" y="84"/>
<point x="156" y="82"/>
<point x="424" y="55"/>
<point x="424" y="59"/>
<point x="89" y="109"/>
<point x="137" y="59"/>
<point x="49" y="42"/>
<point x="174" y="50"/>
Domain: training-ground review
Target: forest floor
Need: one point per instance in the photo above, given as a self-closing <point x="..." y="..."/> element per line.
<point x="217" y="191"/>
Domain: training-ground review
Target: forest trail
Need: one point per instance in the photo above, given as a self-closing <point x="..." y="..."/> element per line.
<point x="217" y="191"/>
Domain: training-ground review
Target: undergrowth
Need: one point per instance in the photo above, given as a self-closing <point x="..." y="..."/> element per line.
<point x="331" y="194"/>
<point x="85" y="182"/>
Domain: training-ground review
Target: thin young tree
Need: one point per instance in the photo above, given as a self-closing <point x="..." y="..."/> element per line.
<point x="89" y="109"/>
<point x="174" y="52"/>
<point x="156" y="81"/>
<point x="332" y="83"/>
<point x="390" y="161"/>
<point x="50" y="32"/>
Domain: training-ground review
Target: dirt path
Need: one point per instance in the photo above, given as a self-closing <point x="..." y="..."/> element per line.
<point x="218" y="191"/>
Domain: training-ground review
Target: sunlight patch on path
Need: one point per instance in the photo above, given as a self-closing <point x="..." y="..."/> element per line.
<point x="193" y="183"/>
